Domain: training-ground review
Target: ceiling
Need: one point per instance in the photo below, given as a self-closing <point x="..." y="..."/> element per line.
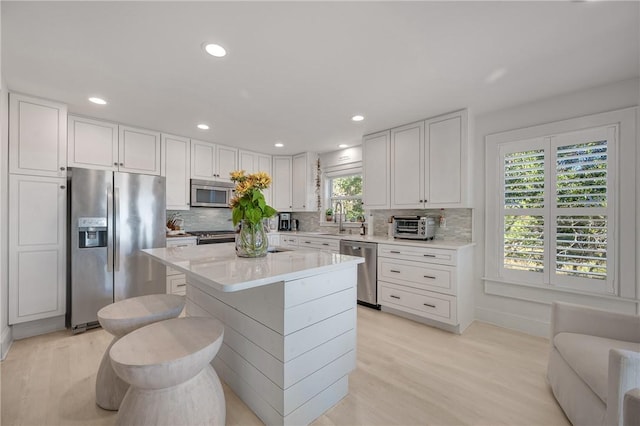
<point x="297" y="71"/>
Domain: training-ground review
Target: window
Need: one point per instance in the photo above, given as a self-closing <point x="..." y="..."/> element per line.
<point x="556" y="205"/>
<point x="344" y="196"/>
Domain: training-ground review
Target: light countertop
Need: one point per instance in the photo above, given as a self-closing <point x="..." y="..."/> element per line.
<point x="218" y="266"/>
<point x="452" y="245"/>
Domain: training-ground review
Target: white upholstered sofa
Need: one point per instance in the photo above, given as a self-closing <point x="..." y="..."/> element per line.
<point x="594" y="361"/>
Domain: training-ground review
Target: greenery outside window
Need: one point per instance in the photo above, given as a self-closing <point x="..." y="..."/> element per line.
<point x="344" y="196"/>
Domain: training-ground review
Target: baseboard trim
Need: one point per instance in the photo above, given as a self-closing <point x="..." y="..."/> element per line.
<point x="5" y="342"/>
<point x="426" y="321"/>
<point x="37" y="327"/>
<point x="513" y="322"/>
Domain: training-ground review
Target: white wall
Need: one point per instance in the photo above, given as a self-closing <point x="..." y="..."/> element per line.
<point x="5" y="330"/>
<point x="512" y="312"/>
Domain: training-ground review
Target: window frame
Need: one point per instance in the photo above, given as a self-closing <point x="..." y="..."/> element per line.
<point x="327" y="177"/>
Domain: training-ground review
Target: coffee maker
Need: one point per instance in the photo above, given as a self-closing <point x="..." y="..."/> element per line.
<point x="284" y="222"/>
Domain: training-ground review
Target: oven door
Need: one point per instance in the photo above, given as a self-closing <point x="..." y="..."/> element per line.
<point x="205" y="195"/>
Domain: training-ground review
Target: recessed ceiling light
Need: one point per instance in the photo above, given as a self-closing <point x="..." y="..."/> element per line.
<point x="495" y="75"/>
<point x="203" y="127"/>
<point x="215" y="50"/>
<point x="343" y="145"/>
<point x="278" y="144"/>
<point x="98" y="101"/>
<point x="357" y="118"/>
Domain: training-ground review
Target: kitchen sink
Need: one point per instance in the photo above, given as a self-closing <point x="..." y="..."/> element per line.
<point x="277" y="250"/>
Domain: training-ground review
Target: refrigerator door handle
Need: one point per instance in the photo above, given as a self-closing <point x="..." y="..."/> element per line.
<point x="116" y="222"/>
<point x="109" y="229"/>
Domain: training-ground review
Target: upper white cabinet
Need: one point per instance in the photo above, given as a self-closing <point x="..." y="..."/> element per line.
<point x="303" y="172"/>
<point x="376" y="170"/>
<point x="252" y="162"/>
<point x="282" y="183"/>
<point x="407" y="166"/>
<point x="37" y="247"/>
<point x="96" y="144"/>
<point x="138" y="151"/>
<point x="212" y="162"/>
<point x="427" y="165"/>
<point x="93" y="144"/>
<point x="446" y="183"/>
<point x="37" y="136"/>
<point x="176" y="168"/>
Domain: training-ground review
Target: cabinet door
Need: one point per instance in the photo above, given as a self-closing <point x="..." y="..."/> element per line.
<point x="37" y="247"/>
<point x="202" y="156"/>
<point x="282" y="183"/>
<point x="226" y="162"/>
<point x="247" y="161"/>
<point x="446" y="157"/>
<point x="407" y="152"/>
<point x="262" y="163"/>
<point x="376" y="168"/>
<point x="139" y="151"/>
<point x="92" y="144"/>
<point x="37" y="136"/>
<point x="299" y="182"/>
<point x="176" y="168"/>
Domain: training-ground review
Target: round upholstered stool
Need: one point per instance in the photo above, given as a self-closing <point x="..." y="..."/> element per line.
<point x="168" y="367"/>
<point x="119" y="319"/>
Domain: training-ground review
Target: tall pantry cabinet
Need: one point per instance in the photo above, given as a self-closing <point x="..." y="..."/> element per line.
<point x="37" y="208"/>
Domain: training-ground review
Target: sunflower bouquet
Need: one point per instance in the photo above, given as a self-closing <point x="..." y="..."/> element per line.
<point x="248" y="203"/>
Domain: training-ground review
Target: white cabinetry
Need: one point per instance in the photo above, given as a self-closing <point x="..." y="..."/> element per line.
<point x="252" y="162"/>
<point x="176" y="281"/>
<point x="328" y="244"/>
<point x="419" y="165"/>
<point x="427" y="283"/>
<point x="37" y="136"/>
<point x="176" y="168"/>
<point x="376" y="170"/>
<point x="407" y="166"/>
<point x="138" y="151"/>
<point x="303" y="174"/>
<point x="37" y="247"/>
<point x="288" y="241"/>
<point x="212" y="162"/>
<point x="101" y="145"/>
<point x="282" y="183"/>
<point x="93" y="144"/>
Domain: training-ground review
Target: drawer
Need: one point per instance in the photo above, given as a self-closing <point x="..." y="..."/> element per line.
<point x="319" y="243"/>
<point x="427" y="254"/>
<point x="288" y="241"/>
<point x="421" y="275"/>
<point x="439" y="307"/>
<point x="177" y="284"/>
<point x="180" y="242"/>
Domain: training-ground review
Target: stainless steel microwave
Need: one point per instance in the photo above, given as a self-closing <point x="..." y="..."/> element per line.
<point x="206" y="193"/>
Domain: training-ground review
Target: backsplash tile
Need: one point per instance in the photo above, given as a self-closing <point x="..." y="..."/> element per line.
<point x="459" y="222"/>
<point x="205" y="219"/>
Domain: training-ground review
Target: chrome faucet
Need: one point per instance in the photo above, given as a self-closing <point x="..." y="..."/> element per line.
<point x="340" y="227"/>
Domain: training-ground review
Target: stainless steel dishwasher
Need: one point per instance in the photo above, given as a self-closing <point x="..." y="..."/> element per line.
<point x="367" y="271"/>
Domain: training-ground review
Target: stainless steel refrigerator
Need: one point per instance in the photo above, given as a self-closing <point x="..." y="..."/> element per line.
<point x="112" y="217"/>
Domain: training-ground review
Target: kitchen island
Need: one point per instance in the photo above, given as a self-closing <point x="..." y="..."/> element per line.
<point x="290" y="324"/>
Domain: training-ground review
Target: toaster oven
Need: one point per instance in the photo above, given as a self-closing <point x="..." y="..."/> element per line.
<point x="414" y="227"/>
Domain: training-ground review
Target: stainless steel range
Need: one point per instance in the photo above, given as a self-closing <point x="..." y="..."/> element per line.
<point x="214" y="237"/>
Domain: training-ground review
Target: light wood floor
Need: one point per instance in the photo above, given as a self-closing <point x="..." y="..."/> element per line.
<point x="407" y="374"/>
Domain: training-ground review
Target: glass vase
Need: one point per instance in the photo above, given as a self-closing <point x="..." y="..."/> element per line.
<point x="252" y="240"/>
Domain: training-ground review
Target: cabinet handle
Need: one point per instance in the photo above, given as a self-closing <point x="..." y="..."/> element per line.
<point x="115" y="164"/>
<point x="429" y="255"/>
<point x="307" y="242"/>
<point x="62" y="187"/>
<point x="181" y="285"/>
<point x="429" y="306"/>
<point x="62" y="168"/>
<point x="122" y="164"/>
<point x="430" y="277"/>
<point x="183" y="245"/>
<point x="395" y="297"/>
<point x="325" y="244"/>
<point x="394" y="252"/>
<point x="422" y="201"/>
<point x="393" y="270"/>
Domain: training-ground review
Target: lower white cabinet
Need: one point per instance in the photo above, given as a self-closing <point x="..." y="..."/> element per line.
<point x="176" y="281"/>
<point x="327" y="244"/>
<point x="288" y="240"/>
<point x="37" y="247"/>
<point x="425" y="282"/>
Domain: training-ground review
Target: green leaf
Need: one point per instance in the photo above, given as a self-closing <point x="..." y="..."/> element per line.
<point x="268" y="211"/>
<point x="236" y="215"/>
